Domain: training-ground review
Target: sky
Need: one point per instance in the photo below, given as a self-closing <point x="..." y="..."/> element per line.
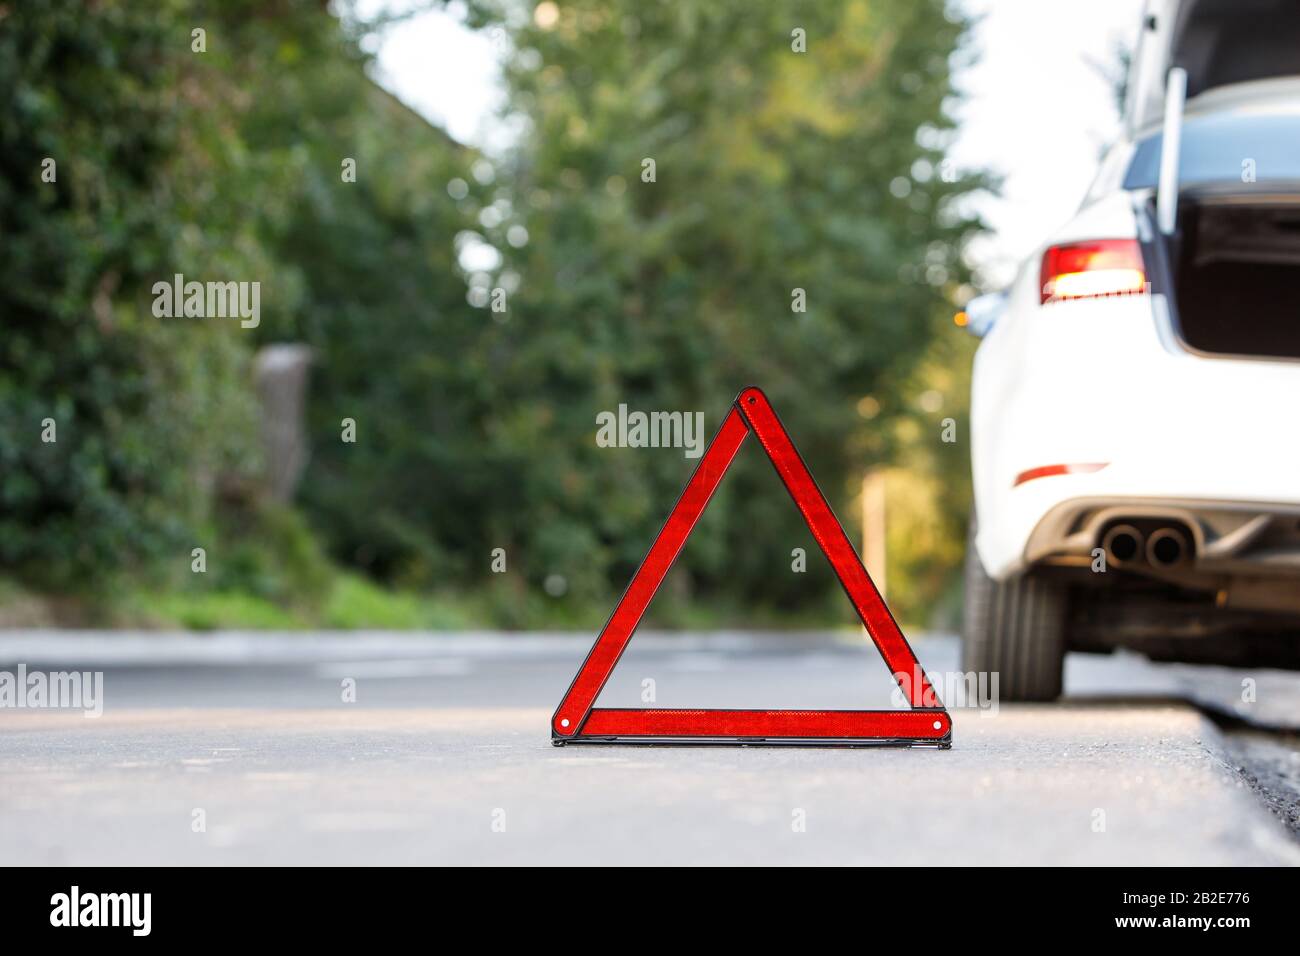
<point x="1036" y="106"/>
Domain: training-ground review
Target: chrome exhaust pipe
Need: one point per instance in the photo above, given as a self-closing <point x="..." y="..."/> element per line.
<point x="1124" y="545"/>
<point x="1168" y="548"/>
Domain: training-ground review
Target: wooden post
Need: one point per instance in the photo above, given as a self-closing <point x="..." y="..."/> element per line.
<point x="873" y="527"/>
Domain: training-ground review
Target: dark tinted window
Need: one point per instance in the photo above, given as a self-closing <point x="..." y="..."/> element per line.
<point x="1215" y="148"/>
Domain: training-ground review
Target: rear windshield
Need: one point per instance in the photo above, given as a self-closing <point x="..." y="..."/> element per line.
<point x="1225" y="148"/>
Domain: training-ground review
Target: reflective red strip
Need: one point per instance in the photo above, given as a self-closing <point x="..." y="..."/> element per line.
<point x="1046" y="471"/>
<point x="797" y="724"/>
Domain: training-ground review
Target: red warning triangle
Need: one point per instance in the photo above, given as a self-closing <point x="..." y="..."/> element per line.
<point x="927" y="723"/>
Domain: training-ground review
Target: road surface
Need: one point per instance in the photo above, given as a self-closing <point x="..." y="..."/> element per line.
<point x="238" y="749"/>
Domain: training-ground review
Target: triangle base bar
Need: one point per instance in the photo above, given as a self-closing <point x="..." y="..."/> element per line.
<point x="929" y="727"/>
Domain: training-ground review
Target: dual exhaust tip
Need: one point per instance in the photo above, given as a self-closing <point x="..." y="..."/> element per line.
<point x="1128" y="547"/>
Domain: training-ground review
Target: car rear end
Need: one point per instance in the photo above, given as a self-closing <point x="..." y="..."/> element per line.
<point x="1137" y="442"/>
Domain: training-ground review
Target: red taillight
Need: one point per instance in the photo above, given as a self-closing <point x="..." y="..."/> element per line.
<point x="1082" y="270"/>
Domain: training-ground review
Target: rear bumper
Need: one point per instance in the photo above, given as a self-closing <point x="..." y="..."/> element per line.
<point x="1061" y="519"/>
<point x="1211" y="442"/>
<point x="1239" y="554"/>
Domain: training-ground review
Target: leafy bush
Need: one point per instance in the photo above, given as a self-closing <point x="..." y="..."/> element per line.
<point x="114" y="426"/>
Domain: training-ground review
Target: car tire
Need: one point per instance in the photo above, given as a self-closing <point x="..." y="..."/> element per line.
<point x="1014" y="628"/>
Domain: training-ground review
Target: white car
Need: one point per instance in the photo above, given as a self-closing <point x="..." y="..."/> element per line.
<point x="1136" y="396"/>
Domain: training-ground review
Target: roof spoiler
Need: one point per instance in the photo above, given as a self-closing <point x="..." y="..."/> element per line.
<point x="1170" y="147"/>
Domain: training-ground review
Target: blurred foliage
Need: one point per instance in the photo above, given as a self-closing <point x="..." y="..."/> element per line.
<point x="927" y="483"/>
<point x="144" y="413"/>
<point x="774" y="171"/>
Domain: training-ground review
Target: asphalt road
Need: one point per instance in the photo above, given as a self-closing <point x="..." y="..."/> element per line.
<point x="241" y="749"/>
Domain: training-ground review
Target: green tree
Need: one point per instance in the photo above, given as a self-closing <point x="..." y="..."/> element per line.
<point x="360" y="202"/>
<point x="775" y="170"/>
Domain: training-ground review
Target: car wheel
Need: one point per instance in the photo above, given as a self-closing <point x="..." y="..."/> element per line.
<point x="1015" y="628"/>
